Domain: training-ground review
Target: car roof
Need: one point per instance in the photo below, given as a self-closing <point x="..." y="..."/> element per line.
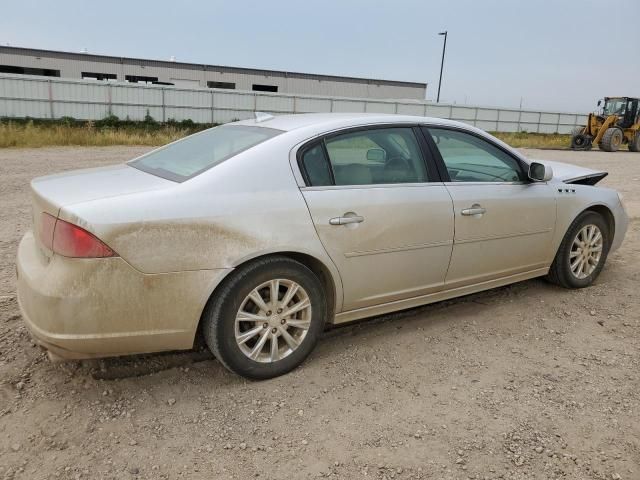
<point x="307" y="125"/>
<point x="328" y="121"/>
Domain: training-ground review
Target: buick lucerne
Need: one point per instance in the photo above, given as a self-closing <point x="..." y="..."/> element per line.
<point x="262" y="232"/>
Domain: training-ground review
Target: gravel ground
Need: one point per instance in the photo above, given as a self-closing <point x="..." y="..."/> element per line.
<point x="528" y="381"/>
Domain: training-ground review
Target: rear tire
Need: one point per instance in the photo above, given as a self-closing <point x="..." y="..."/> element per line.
<point x="564" y="270"/>
<point x="611" y="140"/>
<point x="634" y="145"/>
<point x="252" y="338"/>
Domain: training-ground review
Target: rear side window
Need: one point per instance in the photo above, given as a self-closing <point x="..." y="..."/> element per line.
<point x="316" y="167"/>
<point x="376" y="156"/>
<point x="365" y="157"/>
<point x="192" y="155"/>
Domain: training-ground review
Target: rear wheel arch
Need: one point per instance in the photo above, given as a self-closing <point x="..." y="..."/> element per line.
<point x="319" y="269"/>
<point x="324" y="275"/>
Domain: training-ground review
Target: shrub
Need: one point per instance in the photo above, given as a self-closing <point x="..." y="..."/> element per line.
<point x="67" y="120"/>
<point x="109" y="121"/>
<point x="148" y="119"/>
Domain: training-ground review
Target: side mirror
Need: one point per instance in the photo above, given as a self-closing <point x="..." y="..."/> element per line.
<point x="599" y="102"/>
<point x="539" y="172"/>
<point x="376" y="155"/>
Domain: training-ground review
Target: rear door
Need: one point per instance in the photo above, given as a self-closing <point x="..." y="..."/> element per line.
<point x="380" y="211"/>
<point x="504" y="223"/>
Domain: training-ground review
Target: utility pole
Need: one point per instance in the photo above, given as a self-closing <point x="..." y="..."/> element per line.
<point x="444" y="49"/>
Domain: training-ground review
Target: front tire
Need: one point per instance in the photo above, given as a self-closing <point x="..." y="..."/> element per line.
<point x="582" y="253"/>
<point x="266" y="318"/>
<point x="611" y="140"/>
<point x="578" y="139"/>
<point x="634" y="145"/>
<point x="581" y="142"/>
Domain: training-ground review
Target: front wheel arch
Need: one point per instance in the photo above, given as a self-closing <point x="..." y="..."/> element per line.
<point x="557" y="274"/>
<point x="600" y="209"/>
<point x="606" y="213"/>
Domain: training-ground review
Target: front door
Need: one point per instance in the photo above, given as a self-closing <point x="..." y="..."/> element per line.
<point x="504" y="224"/>
<point x="388" y="229"/>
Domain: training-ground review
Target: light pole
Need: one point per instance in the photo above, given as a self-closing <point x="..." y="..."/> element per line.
<point x="444" y="49"/>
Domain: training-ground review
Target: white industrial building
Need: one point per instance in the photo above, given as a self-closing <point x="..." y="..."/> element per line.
<point x="103" y="68"/>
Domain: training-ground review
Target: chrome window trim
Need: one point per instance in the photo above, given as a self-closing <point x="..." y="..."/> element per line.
<point x="476" y="184"/>
<point x="517" y="156"/>
<point x="370" y="186"/>
<point x="520" y="160"/>
<point x="297" y="173"/>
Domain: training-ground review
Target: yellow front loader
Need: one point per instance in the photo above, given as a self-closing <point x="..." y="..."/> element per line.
<point x="617" y="124"/>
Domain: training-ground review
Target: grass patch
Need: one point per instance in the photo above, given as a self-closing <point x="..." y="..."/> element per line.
<point x="534" y="140"/>
<point x="33" y="133"/>
<point x="30" y="133"/>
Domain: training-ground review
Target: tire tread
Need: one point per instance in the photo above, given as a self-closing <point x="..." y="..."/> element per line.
<point x="213" y="314"/>
<point x="558" y="273"/>
<point x="606" y="143"/>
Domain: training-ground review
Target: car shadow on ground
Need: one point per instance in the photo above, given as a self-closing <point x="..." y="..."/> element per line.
<point x="332" y="340"/>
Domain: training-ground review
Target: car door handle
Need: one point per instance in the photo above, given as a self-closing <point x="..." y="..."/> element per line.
<point x="346" y="220"/>
<point x="474" y="210"/>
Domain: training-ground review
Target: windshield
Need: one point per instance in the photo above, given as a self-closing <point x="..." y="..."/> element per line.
<point x="192" y="155"/>
<point x="615" y="106"/>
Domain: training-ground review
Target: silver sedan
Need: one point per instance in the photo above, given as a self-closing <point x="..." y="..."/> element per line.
<point x="262" y="232"/>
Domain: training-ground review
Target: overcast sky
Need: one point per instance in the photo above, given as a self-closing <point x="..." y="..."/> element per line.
<point x="554" y="54"/>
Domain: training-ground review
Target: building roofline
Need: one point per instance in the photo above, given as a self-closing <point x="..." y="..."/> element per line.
<point x="198" y="66"/>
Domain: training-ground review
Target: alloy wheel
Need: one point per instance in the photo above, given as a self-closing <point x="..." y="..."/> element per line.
<point x="586" y="251"/>
<point x="273" y="320"/>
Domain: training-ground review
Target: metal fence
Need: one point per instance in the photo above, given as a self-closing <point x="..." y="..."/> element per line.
<point x="42" y="97"/>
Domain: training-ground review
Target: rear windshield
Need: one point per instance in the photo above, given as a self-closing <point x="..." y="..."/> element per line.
<point x="192" y="155"/>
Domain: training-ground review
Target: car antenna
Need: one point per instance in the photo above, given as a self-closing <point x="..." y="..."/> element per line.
<point x="262" y="117"/>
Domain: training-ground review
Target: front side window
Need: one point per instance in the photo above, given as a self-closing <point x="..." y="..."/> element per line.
<point x="468" y="158"/>
<point x="376" y="156"/>
<point x="193" y="155"/>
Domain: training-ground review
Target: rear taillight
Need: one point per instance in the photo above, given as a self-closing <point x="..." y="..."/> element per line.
<point x="69" y="240"/>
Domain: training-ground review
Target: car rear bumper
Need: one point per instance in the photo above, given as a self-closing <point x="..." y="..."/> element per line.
<point x="87" y="308"/>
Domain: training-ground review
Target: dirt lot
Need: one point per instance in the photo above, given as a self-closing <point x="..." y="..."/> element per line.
<point x="524" y="382"/>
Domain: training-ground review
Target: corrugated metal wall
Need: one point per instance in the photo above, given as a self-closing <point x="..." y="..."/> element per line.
<point x="41" y="97"/>
<point x="186" y="75"/>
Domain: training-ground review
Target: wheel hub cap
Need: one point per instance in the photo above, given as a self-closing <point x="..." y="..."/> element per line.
<point x="586" y="251"/>
<point x="273" y="320"/>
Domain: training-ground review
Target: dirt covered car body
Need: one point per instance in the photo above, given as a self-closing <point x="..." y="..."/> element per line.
<point x="369" y="213"/>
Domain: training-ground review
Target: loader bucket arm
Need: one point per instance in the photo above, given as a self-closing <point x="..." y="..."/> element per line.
<point x="610" y="121"/>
